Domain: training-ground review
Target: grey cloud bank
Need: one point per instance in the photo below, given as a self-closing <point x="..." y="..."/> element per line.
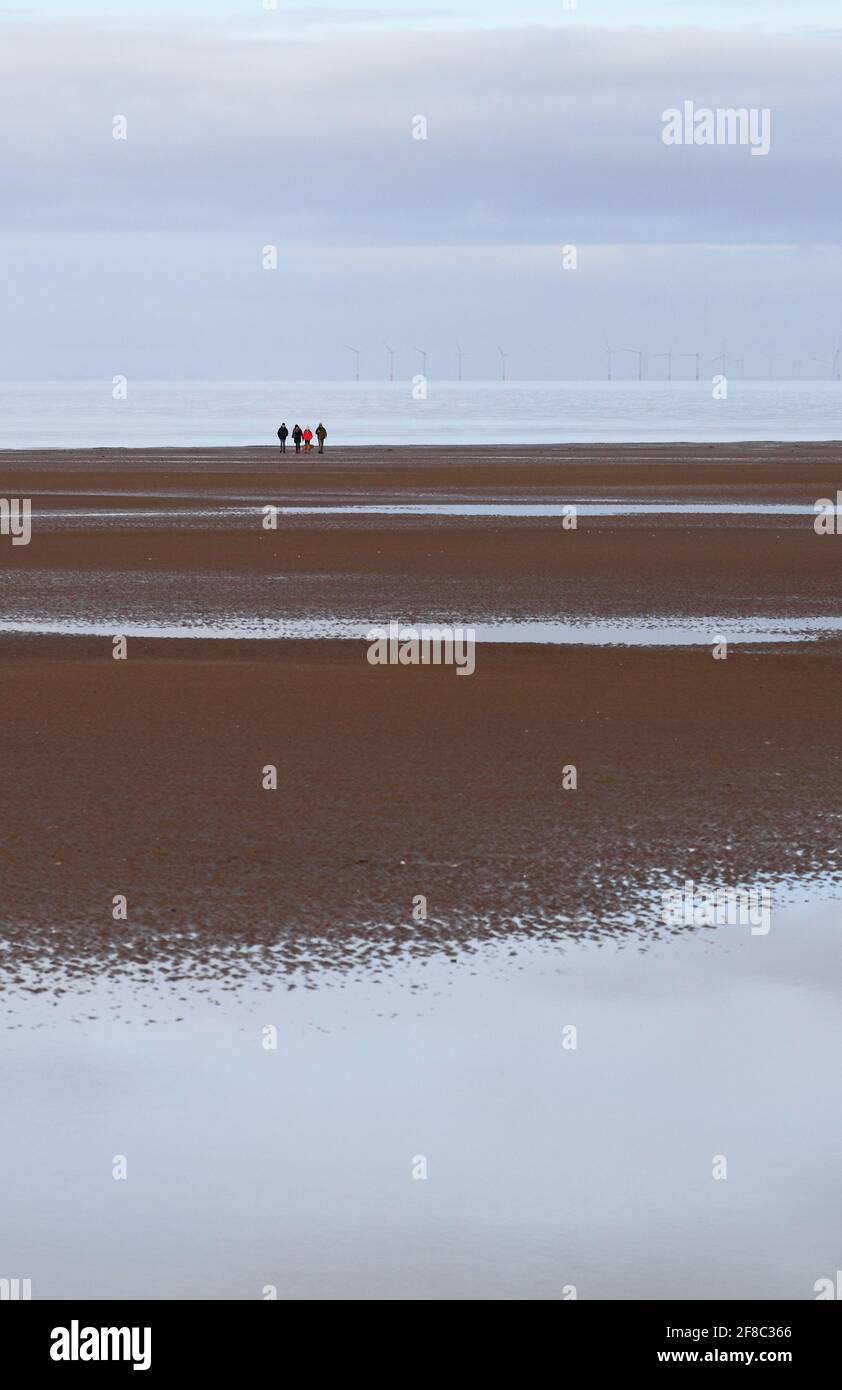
<point x="536" y="138"/>
<point x="525" y="129"/>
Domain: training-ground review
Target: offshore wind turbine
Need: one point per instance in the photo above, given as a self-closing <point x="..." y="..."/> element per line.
<point x="610" y="351"/>
<point x="356" y="353"/>
<point x="723" y="358"/>
<point x="668" y="356"/>
<point x="639" y="355"/>
<point x="698" y="357"/>
<point x="834" y="363"/>
<point x="504" y="357"/>
<point x="391" y="352"/>
<point x="422" y="354"/>
<point x="459" y="355"/>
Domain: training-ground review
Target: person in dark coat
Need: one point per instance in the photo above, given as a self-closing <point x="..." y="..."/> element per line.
<point x="283" y="433"/>
<point x="296" y="438"/>
<point x="321" y="435"/>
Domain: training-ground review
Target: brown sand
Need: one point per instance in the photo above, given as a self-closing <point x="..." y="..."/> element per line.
<point x="143" y="777"/>
<point x="776" y="469"/>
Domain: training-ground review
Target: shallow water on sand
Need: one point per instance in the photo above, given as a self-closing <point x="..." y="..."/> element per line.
<point x="547" y="1165"/>
<point x="193" y="516"/>
<point x="642" y="632"/>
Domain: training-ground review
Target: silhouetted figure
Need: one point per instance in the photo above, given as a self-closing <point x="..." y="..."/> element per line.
<point x="296" y="438"/>
<point x="283" y="434"/>
<point x="321" y="435"/>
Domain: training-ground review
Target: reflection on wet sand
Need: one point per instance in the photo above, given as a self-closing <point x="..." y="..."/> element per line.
<point x="639" y="631"/>
<point x="144" y="778"/>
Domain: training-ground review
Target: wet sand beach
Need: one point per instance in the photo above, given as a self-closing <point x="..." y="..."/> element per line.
<point x="247" y="907"/>
<point x="145" y="778"/>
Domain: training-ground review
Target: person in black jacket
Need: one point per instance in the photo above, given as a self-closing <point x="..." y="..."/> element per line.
<point x="283" y="432"/>
<point x="296" y="438"/>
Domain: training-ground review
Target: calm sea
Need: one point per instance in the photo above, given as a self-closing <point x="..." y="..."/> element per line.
<point x="84" y="414"/>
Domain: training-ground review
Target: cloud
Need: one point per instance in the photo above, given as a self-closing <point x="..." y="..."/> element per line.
<point x="144" y="255"/>
<point x="534" y="136"/>
<point x="324" y="14"/>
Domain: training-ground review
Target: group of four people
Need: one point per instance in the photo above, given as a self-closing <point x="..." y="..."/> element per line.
<point x="300" y="436"/>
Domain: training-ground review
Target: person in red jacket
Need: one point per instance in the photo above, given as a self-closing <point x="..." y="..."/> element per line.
<point x="308" y="440"/>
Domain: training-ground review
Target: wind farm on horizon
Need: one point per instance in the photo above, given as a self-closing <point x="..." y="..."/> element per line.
<point x="635" y="366"/>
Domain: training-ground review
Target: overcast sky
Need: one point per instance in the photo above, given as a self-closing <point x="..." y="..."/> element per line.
<point x="250" y="127"/>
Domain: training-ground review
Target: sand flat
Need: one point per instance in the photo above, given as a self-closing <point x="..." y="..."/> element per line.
<point x="294" y="907"/>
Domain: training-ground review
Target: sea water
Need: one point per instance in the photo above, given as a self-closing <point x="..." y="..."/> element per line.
<point x="212" y="413"/>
